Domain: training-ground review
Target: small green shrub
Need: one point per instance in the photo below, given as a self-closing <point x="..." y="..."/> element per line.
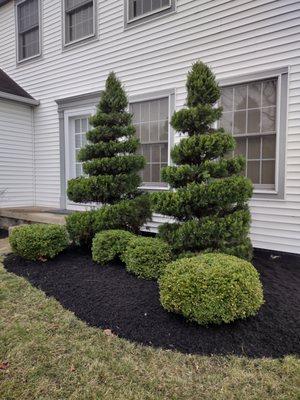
<point x="127" y="215"/>
<point x="147" y="257"/>
<point x="211" y="288"/>
<point x="109" y="245"/>
<point x="38" y="241"/>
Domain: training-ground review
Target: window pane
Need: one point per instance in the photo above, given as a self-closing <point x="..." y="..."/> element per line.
<point x="77" y="126"/>
<point x="268" y="119"/>
<point x="239" y="122"/>
<point x="254" y="147"/>
<point x="269" y="146"/>
<point x="146" y="6"/>
<point x="79" y="22"/>
<point x="28" y="15"/>
<point x="254" y="95"/>
<point x="226" y="121"/>
<point x="227" y="99"/>
<point x="240" y="146"/>
<point x="253" y="171"/>
<point x="240" y="94"/>
<point x="269" y="93"/>
<point x="84" y="125"/>
<point x="268" y="172"/>
<point x="151" y="119"/>
<point x="137" y="8"/>
<point x="253" y="121"/>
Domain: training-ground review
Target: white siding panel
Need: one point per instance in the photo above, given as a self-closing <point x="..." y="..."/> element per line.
<point x="16" y="154"/>
<point x="234" y="36"/>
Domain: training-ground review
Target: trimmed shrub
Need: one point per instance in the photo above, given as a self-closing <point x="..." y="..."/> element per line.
<point x="127" y="215"/>
<point x="39" y="241"/>
<point x="147" y="257"/>
<point x="211" y="288"/>
<point x="210" y="201"/>
<point x="109" y="245"/>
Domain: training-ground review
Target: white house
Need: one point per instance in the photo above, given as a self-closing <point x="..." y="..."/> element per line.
<point x="61" y="51"/>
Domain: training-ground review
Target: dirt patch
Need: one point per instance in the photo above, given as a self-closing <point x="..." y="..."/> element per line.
<point x="111" y="298"/>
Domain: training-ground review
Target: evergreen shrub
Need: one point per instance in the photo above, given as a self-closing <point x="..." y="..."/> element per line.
<point x="110" y="245"/>
<point x="212" y="288"/>
<point x="38" y="241"/>
<point x="210" y="201"/>
<point x="147" y="257"/>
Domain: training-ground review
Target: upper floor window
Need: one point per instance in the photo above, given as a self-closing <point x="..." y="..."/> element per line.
<point x="151" y="120"/>
<point x="28" y="29"/>
<point x="142" y="10"/>
<point x="79" y="20"/>
<point x="254" y="113"/>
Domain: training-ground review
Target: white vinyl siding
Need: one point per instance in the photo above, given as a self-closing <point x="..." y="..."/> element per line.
<point x="235" y="38"/>
<point x="16" y="155"/>
<point x="28" y="29"/>
<point x="79" y="18"/>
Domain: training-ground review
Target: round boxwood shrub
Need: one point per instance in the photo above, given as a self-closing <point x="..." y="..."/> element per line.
<point x="109" y="245"/>
<point x="211" y="288"/>
<point x="147" y="257"/>
<point x="38" y="241"/>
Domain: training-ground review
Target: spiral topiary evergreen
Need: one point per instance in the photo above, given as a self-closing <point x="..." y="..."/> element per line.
<point x="210" y="201"/>
<point x="111" y="167"/>
<point x="109" y="160"/>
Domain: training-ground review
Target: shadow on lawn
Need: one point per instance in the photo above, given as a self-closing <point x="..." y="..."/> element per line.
<point x="110" y="298"/>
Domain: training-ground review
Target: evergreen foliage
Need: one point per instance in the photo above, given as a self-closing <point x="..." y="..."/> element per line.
<point x="109" y="160"/>
<point x="210" y="203"/>
<point x="212" y="288"/>
<point x="111" y="167"/>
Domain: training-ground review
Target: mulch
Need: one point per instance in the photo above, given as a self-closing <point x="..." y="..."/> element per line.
<point x="111" y="298"/>
<point x="3" y="233"/>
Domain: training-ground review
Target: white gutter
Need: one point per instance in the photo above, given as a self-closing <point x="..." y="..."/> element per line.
<point x="20" y="99"/>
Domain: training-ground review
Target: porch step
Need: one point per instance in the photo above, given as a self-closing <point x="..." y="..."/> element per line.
<point x="43" y="215"/>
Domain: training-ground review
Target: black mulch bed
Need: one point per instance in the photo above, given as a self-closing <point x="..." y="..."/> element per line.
<point x="3" y="233"/>
<point x="110" y="298"/>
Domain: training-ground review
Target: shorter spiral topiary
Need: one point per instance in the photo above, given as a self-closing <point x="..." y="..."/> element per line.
<point x="110" y="245"/>
<point x="212" y="288"/>
<point x="147" y="257"/>
<point x="39" y="241"/>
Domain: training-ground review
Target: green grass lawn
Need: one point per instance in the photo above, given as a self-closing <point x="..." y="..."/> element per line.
<point x="52" y="355"/>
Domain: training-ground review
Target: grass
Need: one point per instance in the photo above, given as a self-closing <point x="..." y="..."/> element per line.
<point x="53" y="355"/>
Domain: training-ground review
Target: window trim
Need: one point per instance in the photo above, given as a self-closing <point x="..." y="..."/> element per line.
<point x="170" y="94"/>
<point x="84" y="39"/>
<point x="149" y="16"/>
<point x="17" y="5"/>
<point x="281" y="74"/>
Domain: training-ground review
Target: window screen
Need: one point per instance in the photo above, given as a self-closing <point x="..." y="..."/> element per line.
<point x="249" y="114"/>
<point x="151" y="120"/>
<point x="79" y="19"/>
<point x="28" y="29"/>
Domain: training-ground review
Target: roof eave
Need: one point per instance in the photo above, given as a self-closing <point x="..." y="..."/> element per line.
<point x="20" y="99"/>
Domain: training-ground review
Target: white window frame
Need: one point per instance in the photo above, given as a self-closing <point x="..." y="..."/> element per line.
<point x="69" y="148"/>
<point x="170" y="94"/>
<point x="17" y="5"/>
<point x="149" y="15"/>
<point x="84" y="38"/>
<point x="281" y="75"/>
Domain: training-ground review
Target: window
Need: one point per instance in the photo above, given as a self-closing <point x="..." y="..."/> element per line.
<point x="151" y="120"/>
<point x="254" y="112"/>
<point x="79" y="20"/>
<point x="81" y="126"/>
<point x="28" y="29"/>
<point x="146" y="9"/>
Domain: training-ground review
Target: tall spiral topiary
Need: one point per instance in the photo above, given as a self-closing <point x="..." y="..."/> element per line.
<point x="109" y="160"/>
<point x="111" y="168"/>
<point x="210" y="200"/>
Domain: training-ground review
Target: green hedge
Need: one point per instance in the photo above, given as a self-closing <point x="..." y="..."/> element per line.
<point x="147" y="257"/>
<point x="127" y="215"/>
<point x="212" y="288"/>
<point x="110" y="245"/>
<point x="38" y="241"/>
